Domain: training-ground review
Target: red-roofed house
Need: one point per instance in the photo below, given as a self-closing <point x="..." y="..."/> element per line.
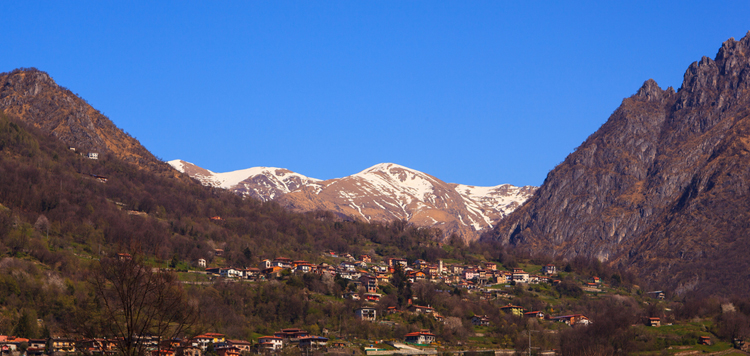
<point x="228" y="351"/>
<point x="162" y="352"/>
<point x="282" y="262"/>
<point x="420" y="337"/>
<point x="303" y="266"/>
<point x="291" y="333"/>
<point x="420" y="309"/>
<point x="534" y="314"/>
<point x="520" y="276"/>
<point x="270" y="343"/>
<point x="241" y="344"/>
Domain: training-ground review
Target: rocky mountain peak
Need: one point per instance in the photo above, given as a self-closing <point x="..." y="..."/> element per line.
<point x="706" y="81"/>
<point x="661" y="187"/>
<point x="29" y="81"/>
<point x="33" y="96"/>
<point x="650" y="91"/>
<point x="393" y="170"/>
<point x="732" y="48"/>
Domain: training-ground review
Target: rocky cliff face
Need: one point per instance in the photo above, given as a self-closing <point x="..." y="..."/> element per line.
<point x="384" y="192"/>
<point x="34" y="97"/>
<point x="661" y="187"/>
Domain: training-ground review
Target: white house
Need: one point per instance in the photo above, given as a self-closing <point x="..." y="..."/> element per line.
<point x="368" y="314"/>
<point x="271" y="342"/>
<point x="230" y="272"/>
<point x="549" y="269"/>
<point x="420" y="337"/>
<point x="520" y="276"/>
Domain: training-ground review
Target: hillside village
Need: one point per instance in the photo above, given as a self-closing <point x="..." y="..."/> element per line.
<point x="366" y="283"/>
<point x="364" y="280"/>
<point x="406" y="291"/>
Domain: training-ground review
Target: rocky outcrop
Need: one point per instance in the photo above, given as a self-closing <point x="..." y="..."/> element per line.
<point x="661" y="187"/>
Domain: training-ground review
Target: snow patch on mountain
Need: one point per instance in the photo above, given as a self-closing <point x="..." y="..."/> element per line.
<point x="393" y="177"/>
<point x="275" y="181"/>
<point x="383" y="192"/>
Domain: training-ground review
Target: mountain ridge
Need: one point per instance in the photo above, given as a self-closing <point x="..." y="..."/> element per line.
<point x="33" y="96"/>
<point x="383" y="192"/>
<point x="661" y="187"/>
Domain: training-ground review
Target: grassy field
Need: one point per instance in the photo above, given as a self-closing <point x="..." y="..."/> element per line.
<point x="193" y="277"/>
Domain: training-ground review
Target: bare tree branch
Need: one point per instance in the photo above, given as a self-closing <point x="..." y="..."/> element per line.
<point x="139" y="302"/>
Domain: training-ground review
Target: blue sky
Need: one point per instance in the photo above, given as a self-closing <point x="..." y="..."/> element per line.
<point x="481" y="92"/>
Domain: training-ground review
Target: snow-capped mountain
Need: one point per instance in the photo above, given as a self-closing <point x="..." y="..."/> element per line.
<point x="384" y="192"/>
<point x="264" y="183"/>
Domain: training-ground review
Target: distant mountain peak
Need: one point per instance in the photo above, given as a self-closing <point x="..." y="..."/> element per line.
<point x="383" y="192"/>
<point x="383" y="167"/>
<point x="264" y="183"/>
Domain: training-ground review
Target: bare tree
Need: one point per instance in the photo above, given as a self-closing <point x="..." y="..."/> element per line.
<point x="138" y="301"/>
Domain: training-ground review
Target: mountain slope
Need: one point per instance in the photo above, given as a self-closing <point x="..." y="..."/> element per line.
<point x="65" y="210"/>
<point x="384" y="192"/>
<point x="661" y="187"/>
<point x="262" y="183"/>
<point x="33" y="97"/>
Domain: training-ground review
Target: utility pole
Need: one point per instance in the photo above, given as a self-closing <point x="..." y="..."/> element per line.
<point x="530" y="339"/>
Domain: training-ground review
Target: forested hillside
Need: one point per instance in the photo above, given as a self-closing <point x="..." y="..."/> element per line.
<point x="60" y="211"/>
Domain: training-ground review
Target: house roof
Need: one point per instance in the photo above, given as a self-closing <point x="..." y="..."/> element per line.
<point x="417" y="333"/>
<point x="313" y="337"/>
<point x="569" y="316"/>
